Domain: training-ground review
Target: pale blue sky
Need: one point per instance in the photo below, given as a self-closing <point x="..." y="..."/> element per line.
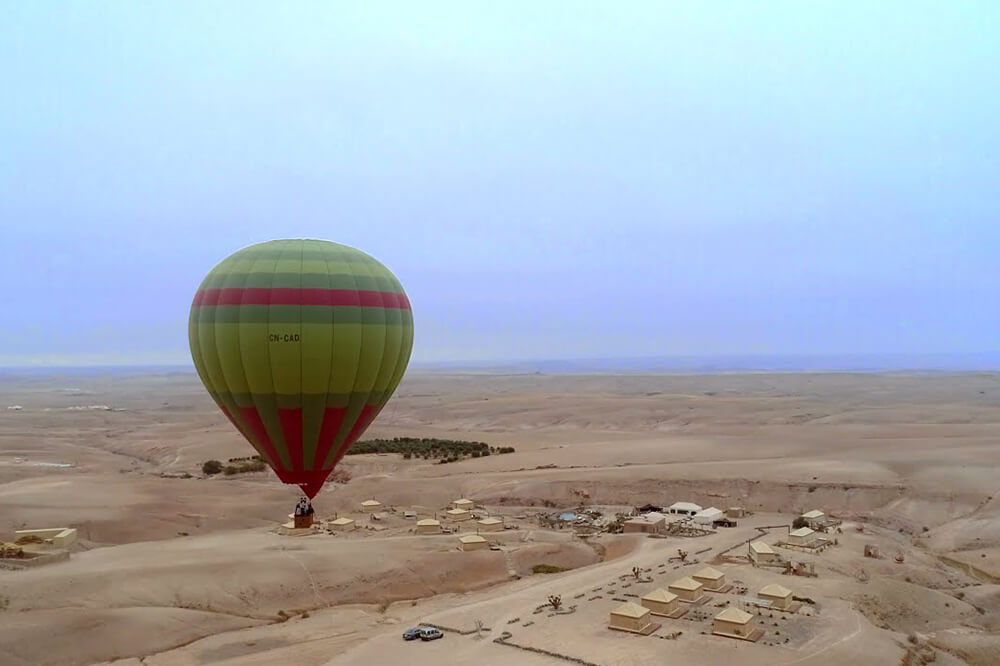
<point x="547" y="179"/>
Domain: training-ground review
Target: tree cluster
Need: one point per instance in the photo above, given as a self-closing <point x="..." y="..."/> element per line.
<point x="444" y="450"/>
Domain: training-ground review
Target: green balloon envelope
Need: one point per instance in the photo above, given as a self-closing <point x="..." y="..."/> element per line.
<point x="301" y="343"/>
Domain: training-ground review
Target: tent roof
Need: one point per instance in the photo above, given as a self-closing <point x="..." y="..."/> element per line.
<point x="710" y="573"/>
<point x="802" y="532"/>
<point x="710" y="511"/>
<point x="462" y="501"/>
<point x="685" y="506"/>
<point x="686" y="583"/>
<point x="815" y="513"/>
<point x="457" y="512"/>
<point x="735" y="615"/>
<point x="371" y="502"/>
<point x="774" y="590"/>
<point x="426" y="522"/>
<point x="490" y="521"/>
<point x="661" y="595"/>
<point x="342" y="521"/>
<point x="471" y="538"/>
<point x="761" y="547"/>
<point x="630" y="609"/>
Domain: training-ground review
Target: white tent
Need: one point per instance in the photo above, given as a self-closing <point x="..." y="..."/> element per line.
<point x="708" y="516"/>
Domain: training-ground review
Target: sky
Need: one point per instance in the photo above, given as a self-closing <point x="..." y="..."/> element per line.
<point x="546" y="179"/>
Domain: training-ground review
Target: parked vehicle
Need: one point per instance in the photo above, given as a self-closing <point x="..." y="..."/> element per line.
<point x="430" y="634"/>
<point x="412" y="634"/>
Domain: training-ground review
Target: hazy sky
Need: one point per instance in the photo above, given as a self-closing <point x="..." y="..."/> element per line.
<point x="547" y="179"/>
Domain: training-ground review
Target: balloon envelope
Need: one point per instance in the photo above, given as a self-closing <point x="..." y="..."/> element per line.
<point x="301" y="343"/>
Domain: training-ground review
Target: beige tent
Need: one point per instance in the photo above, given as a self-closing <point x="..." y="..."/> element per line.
<point x="428" y="526"/>
<point x="736" y="512"/>
<point x="735" y="623"/>
<point x="57" y="537"/>
<point x="662" y="602"/>
<point x="630" y="617"/>
<point x="761" y="553"/>
<point x="371" y="506"/>
<point x="342" y="524"/>
<point x="490" y="525"/>
<point x="650" y="523"/>
<point x="469" y="542"/>
<point x="687" y="590"/>
<point x="815" y="519"/>
<point x="779" y="596"/>
<point x="458" y="515"/>
<point x="711" y="579"/>
<point x="462" y="504"/>
<point x="802" y="536"/>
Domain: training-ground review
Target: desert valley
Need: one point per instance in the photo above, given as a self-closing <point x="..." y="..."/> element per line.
<point x="174" y="567"/>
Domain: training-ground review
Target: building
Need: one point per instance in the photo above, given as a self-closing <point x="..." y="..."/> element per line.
<point x="462" y="503"/>
<point x="802" y="536"/>
<point x="684" y="508"/>
<point x="57" y="537"/>
<point x="736" y="512"/>
<point x="735" y="623"/>
<point x="458" y="515"/>
<point x="648" y="523"/>
<point x="761" y="553"/>
<point x="490" y="525"/>
<point x="687" y="590"/>
<point x="428" y="526"/>
<point x="711" y="579"/>
<point x="708" y="516"/>
<point x="342" y="524"/>
<point x="371" y="506"/>
<point x="664" y="603"/>
<point x="468" y="542"/>
<point x="631" y="617"/>
<point x="815" y="519"/>
<point x="779" y="596"/>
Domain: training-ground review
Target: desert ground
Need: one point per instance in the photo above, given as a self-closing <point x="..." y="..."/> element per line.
<point x="176" y="568"/>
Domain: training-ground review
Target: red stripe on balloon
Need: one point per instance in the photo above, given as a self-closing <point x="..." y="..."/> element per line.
<point x="333" y="418"/>
<point x="291" y="425"/>
<point x="259" y="432"/>
<point x="304" y="296"/>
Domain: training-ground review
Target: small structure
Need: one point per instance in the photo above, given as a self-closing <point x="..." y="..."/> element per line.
<point x="646" y="508"/>
<point x="462" y="503"/>
<point x="56" y="537"/>
<point x="342" y="524"/>
<point x="815" y="519"/>
<point x="409" y="513"/>
<point x="708" y="516"/>
<point x="490" y="525"/>
<point x="428" y="526"/>
<point x="735" y="623"/>
<point x="779" y="596"/>
<point x="712" y="580"/>
<point x="664" y="603"/>
<point x="684" y="508"/>
<point x="802" y="536"/>
<point x="688" y="590"/>
<point x="647" y="523"/>
<point x="761" y="553"/>
<point x="371" y="506"/>
<point x="633" y="618"/>
<point x="736" y="512"/>
<point x="458" y="515"/>
<point x="469" y="542"/>
<point x="871" y="550"/>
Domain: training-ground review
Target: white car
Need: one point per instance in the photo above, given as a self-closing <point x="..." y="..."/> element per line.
<point x="430" y="634"/>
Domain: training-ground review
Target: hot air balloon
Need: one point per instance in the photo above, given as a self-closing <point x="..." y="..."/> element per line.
<point x="301" y="343"/>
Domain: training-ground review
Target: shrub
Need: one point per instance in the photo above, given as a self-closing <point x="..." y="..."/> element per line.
<point x="230" y="470"/>
<point x="211" y="467"/>
<point x="546" y="569"/>
<point x="799" y="523"/>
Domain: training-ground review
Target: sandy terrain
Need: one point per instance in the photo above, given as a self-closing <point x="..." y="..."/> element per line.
<point x="176" y="571"/>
